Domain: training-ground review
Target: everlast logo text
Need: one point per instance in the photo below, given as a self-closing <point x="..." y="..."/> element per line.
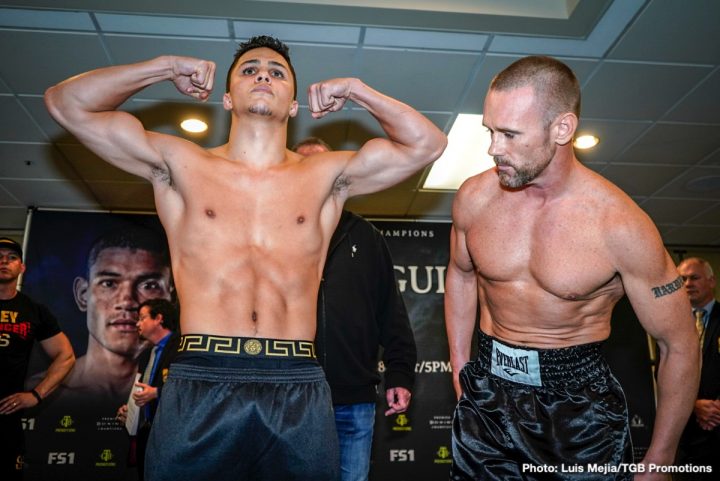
<point x="516" y="363"/>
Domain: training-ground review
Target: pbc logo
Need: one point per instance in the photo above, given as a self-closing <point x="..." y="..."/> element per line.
<point x="402" y="423"/>
<point x="443" y="455"/>
<point x="402" y="455"/>
<point x="106" y="457"/>
<point x="61" y="458"/>
<point x="65" y="425"/>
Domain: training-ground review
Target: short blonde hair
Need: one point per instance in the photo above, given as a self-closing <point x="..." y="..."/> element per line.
<point x="554" y="83"/>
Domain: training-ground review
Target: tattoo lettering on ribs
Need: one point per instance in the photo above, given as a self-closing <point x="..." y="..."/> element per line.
<point x="673" y="286"/>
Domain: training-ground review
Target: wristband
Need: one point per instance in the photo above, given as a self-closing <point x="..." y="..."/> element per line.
<point x="37" y="395"/>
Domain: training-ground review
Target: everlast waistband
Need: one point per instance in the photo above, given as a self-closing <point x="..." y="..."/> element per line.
<point x="248" y="347"/>
<point x="575" y="365"/>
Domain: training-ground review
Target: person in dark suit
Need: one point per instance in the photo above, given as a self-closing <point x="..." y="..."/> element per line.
<point x="700" y="442"/>
<point x="359" y="310"/>
<point x="158" y="323"/>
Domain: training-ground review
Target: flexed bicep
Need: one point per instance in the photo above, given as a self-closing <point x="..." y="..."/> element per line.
<point x="411" y="141"/>
<point x="120" y="139"/>
<point x="87" y="106"/>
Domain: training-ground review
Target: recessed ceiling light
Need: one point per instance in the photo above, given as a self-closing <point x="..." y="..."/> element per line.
<point x="466" y="154"/>
<point x="586" y="142"/>
<point x="194" y="126"/>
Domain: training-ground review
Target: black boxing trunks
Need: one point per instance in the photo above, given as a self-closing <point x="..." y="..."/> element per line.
<point x="243" y="409"/>
<point x="540" y="414"/>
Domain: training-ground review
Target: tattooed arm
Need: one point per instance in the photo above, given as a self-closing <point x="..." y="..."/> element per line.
<point x="652" y="284"/>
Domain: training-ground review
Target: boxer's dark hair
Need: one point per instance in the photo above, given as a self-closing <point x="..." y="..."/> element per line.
<point x="263" y="41"/>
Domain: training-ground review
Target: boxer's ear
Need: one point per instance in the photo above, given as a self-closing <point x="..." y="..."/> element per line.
<point x="80" y="291"/>
<point x="564" y="127"/>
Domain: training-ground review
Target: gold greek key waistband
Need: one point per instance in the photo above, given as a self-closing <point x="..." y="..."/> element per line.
<point x="246" y="346"/>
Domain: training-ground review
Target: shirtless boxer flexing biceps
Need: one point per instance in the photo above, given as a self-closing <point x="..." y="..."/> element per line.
<point x="248" y="225"/>
<point x="545" y="247"/>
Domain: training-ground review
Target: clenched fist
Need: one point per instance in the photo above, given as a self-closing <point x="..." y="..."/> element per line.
<point x="329" y="96"/>
<point x="193" y="77"/>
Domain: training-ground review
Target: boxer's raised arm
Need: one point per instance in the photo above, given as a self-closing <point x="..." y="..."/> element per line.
<point x="86" y="106"/>
<point x="413" y="141"/>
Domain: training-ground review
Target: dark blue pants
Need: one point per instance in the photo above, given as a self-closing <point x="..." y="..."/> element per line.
<point x="229" y="418"/>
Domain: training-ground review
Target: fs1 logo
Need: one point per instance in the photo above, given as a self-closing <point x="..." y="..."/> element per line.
<point x="28" y="424"/>
<point x="402" y="455"/>
<point x="61" y="458"/>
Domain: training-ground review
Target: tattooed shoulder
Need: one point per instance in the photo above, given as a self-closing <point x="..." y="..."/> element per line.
<point x="668" y="288"/>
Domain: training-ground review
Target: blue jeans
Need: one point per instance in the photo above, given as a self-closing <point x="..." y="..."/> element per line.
<point x="354" y="423"/>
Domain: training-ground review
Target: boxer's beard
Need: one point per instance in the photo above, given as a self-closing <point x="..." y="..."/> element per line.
<point x="263" y="110"/>
<point x="527" y="173"/>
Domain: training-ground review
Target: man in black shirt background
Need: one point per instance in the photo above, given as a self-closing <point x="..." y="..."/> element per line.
<point x="22" y="321"/>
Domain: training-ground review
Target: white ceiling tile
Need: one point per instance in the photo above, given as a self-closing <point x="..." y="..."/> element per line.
<point x="621" y="90"/>
<point x="712" y="159"/>
<point x="685" y="32"/>
<point x="34" y="161"/>
<point x="640" y="179"/>
<point x="710" y="216"/>
<point x="693" y="236"/>
<point x="425" y="80"/>
<point x="613" y="22"/>
<point x="35" y="106"/>
<point x="289" y="32"/>
<point x="33" y="61"/>
<point x="91" y="167"/>
<point x="19" y="18"/>
<point x="11" y="218"/>
<point x="157" y="25"/>
<point x="50" y="193"/>
<point x="316" y="63"/>
<point x="666" y="143"/>
<point x="7" y="199"/>
<point x="675" y="211"/>
<point x="384" y="37"/>
<point x="681" y="186"/>
<point x="614" y="138"/>
<point x="702" y="104"/>
<point x="124" y="195"/>
<point x="126" y="49"/>
<point x="16" y="125"/>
